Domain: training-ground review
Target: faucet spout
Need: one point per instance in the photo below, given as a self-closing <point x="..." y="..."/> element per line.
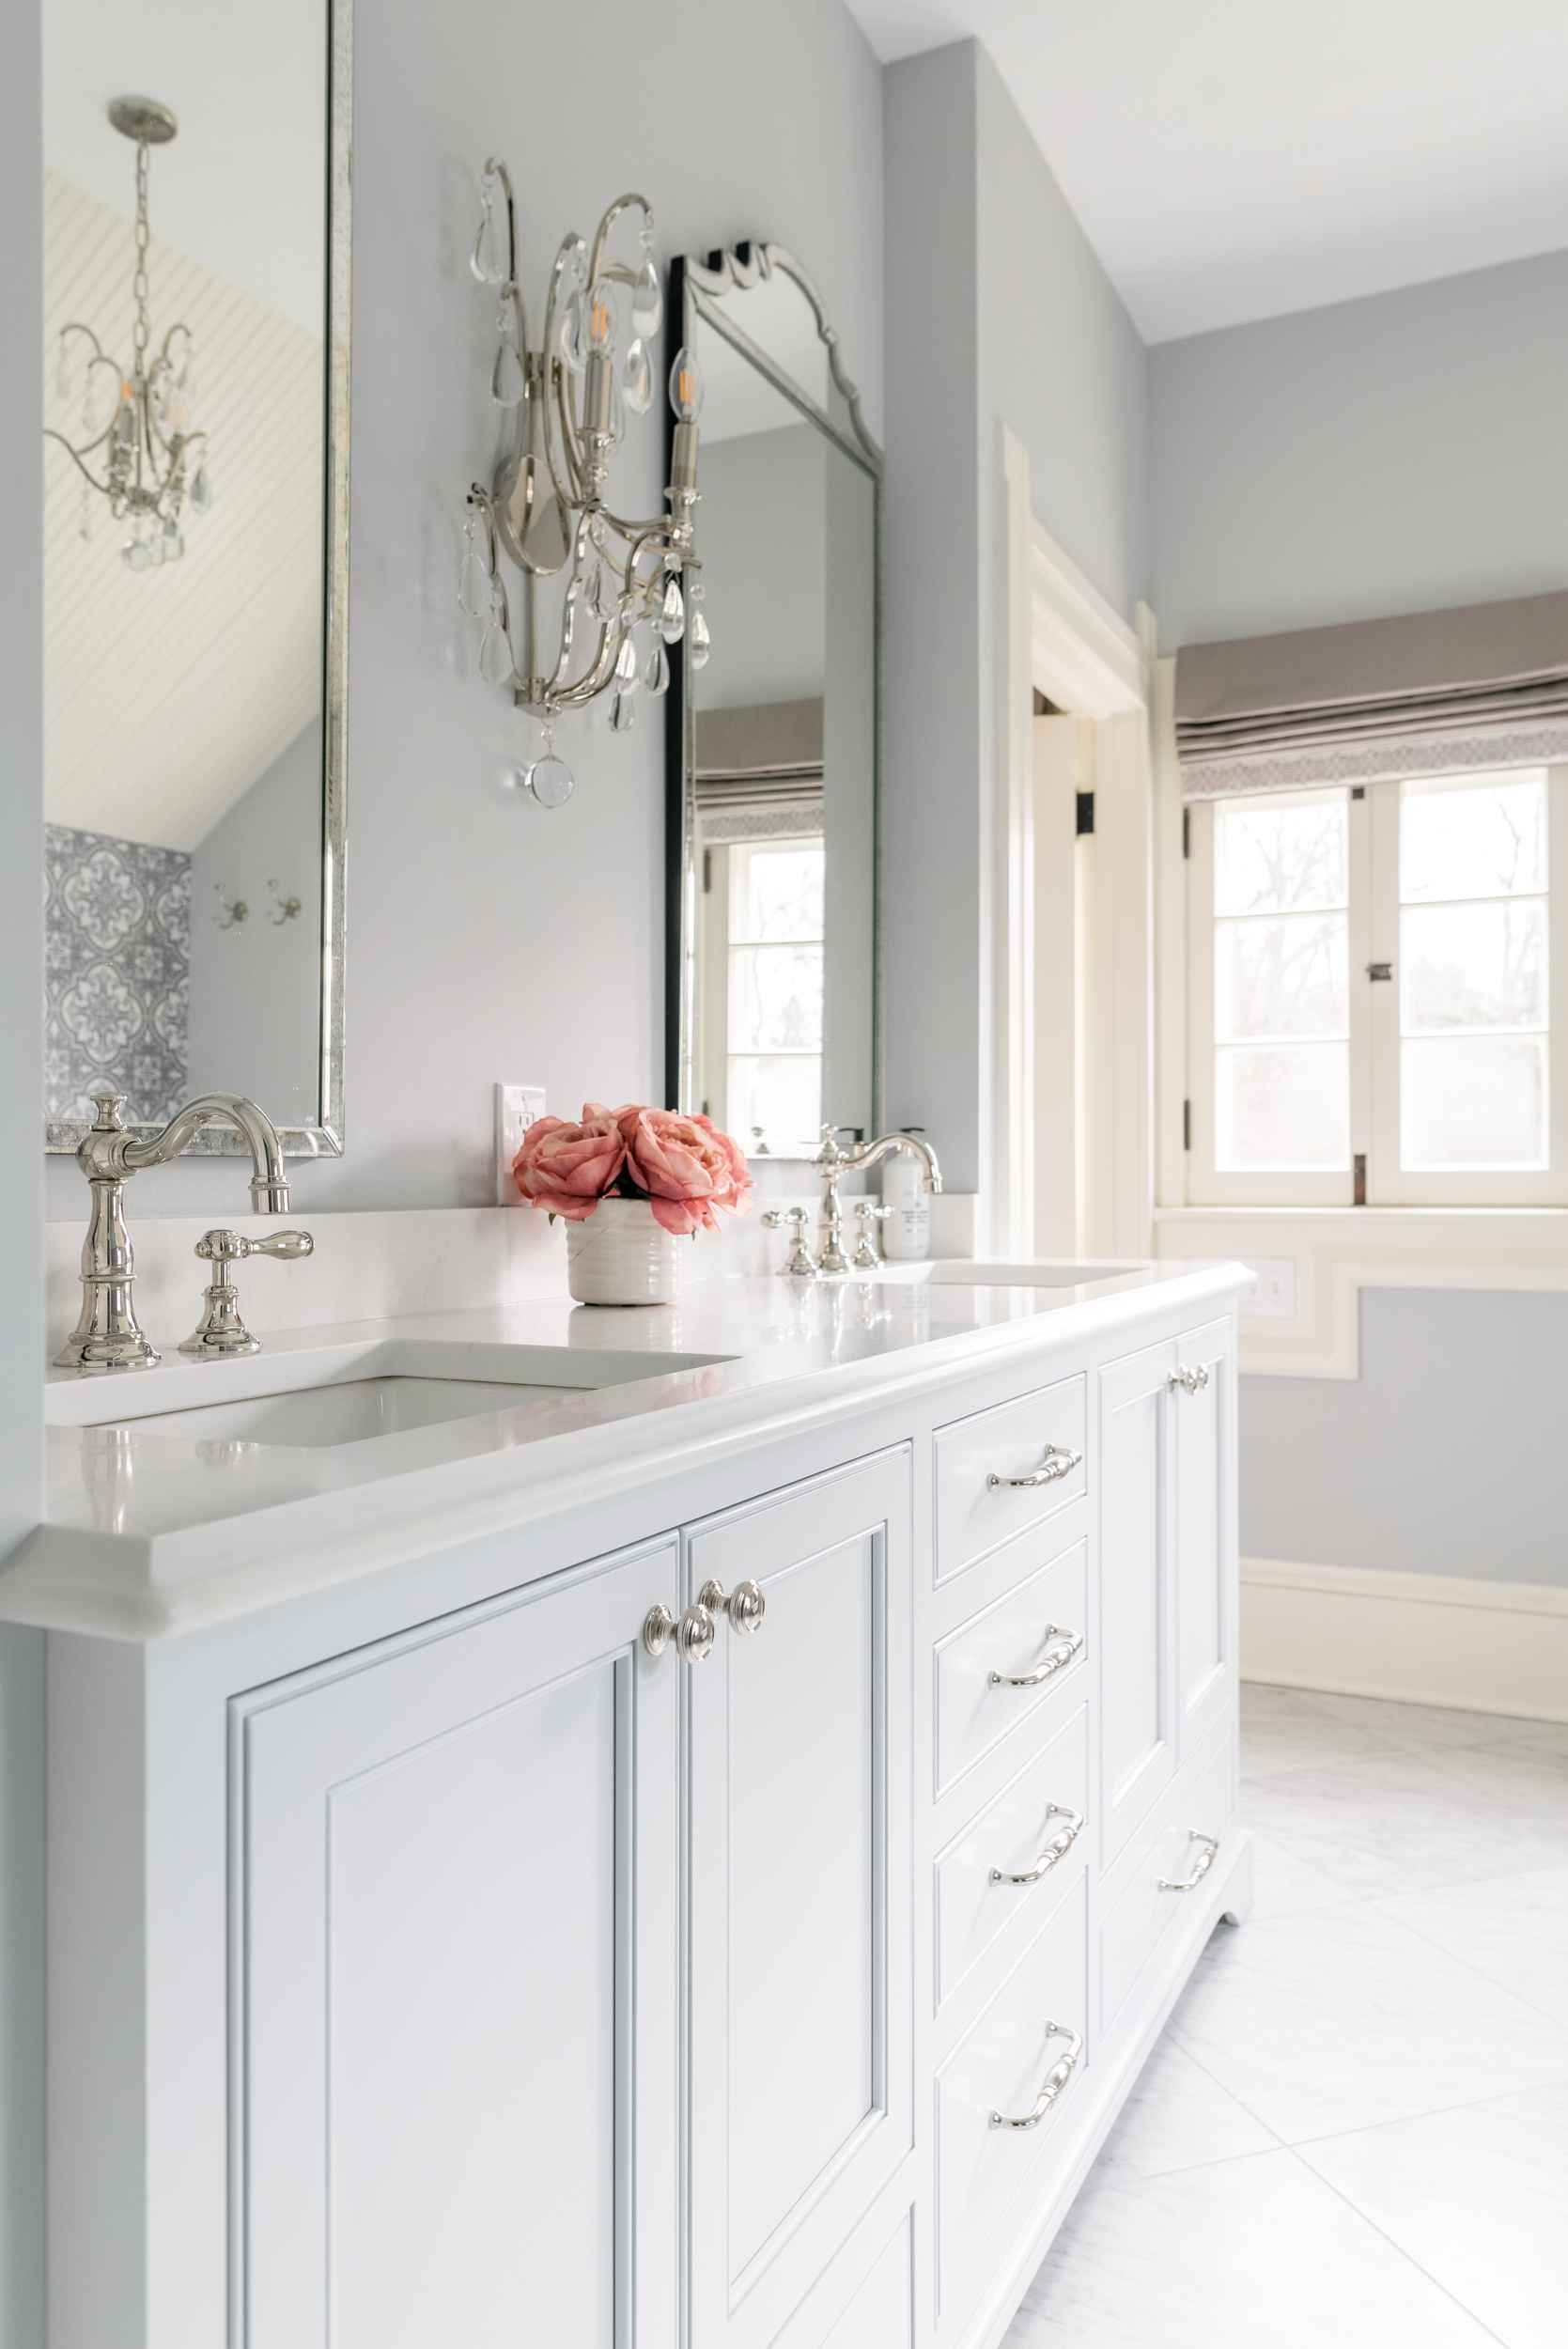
<point x="269" y="1183"/>
<point x="873" y="1153"/>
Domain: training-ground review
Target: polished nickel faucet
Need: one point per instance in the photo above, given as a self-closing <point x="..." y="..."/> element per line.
<point x="107" y="1335"/>
<point x="832" y="1164"/>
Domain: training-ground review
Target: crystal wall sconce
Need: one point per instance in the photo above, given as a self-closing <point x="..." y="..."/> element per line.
<point x="632" y="587"/>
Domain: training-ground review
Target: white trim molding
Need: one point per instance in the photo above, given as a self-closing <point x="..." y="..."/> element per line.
<point x="1419" y="1639"/>
<point x="1304" y="1318"/>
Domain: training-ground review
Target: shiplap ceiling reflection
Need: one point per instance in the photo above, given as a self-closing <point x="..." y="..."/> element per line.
<point x="168" y="693"/>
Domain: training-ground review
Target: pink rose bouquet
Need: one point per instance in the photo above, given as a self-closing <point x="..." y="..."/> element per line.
<point x="682" y="1165"/>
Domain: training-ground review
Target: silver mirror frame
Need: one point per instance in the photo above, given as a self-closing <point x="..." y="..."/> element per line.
<point x="325" y="1139"/>
<point x="697" y="292"/>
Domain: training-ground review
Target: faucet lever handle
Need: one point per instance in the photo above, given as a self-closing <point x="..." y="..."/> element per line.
<point x="220" y="1331"/>
<point x="291" y="1246"/>
<point x="223" y="1248"/>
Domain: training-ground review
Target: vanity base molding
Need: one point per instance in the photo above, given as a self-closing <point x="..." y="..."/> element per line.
<point x="770" y="1983"/>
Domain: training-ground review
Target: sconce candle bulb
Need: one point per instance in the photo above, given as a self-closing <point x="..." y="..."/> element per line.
<point x="546" y="508"/>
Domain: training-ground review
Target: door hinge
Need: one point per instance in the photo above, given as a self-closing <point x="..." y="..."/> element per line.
<point x="1085" y="813"/>
<point x="1186" y="832"/>
<point x="1358" y="1180"/>
<point x="1187" y="1124"/>
<point x="1380" y="970"/>
<point x="707" y="872"/>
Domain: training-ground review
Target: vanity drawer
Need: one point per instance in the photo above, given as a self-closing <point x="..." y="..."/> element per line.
<point x="998" y="1669"/>
<point x="1194" y="1813"/>
<point x="1038" y="1436"/>
<point x="1023" y="2061"/>
<point x="1027" y="1836"/>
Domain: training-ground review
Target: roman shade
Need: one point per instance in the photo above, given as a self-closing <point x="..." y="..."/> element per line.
<point x="758" y="772"/>
<point x="1429" y="693"/>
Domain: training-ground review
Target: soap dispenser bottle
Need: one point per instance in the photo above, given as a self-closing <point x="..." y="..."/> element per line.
<point x="906" y="1232"/>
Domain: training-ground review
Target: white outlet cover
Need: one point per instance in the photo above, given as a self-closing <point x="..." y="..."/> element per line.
<point x="516" y="1109"/>
<point x="1274" y="1297"/>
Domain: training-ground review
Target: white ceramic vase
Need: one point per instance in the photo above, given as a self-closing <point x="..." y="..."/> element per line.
<point x="621" y="1257"/>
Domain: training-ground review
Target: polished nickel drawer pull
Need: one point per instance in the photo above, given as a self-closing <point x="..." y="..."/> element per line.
<point x="692" y="1636"/>
<point x="1055" y="2081"/>
<point x="1190" y="1381"/>
<point x="1058" y="1462"/>
<point x="1060" y="1845"/>
<point x="1200" y="1868"/>
<point x="745" y="1604"/>
<point x="1057" y="1661"/>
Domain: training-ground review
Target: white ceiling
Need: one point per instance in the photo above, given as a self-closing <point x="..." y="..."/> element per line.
<point x="1238" y="158"/>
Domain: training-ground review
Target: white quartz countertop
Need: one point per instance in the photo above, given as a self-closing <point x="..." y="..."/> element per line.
<point x="151" y="1528"/>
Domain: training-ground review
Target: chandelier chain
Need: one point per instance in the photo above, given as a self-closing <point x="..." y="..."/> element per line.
<point x="139" y="285"/>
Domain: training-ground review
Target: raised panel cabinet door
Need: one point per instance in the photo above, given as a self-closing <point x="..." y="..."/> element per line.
<point x="801" y="1887"/>
<point x="1203" y="1412"/>
<point x="457" y="1937"/>
<point x="1137" y="1730"/>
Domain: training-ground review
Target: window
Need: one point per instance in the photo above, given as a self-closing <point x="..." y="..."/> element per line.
<point x="762" y="969"/>
<point x="1379" y="1007"/>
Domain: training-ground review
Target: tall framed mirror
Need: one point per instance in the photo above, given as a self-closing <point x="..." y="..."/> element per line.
<point x="772" y="1011"/>
<point x="196" y="284"/>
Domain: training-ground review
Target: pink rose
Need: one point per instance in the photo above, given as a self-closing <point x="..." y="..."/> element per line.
<point x="567" y="1169"/>
<point x="686" y="1165"/>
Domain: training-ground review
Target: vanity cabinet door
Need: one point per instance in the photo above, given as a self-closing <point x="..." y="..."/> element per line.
<point x="801" y="1980"/>
<point x="1138" y="1727"/>
<point x="455" y="1879"/>
<point x="1203" y="1412"/>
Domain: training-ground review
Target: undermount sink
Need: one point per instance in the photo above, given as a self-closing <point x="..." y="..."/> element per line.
<point x="965" y="1273"/>
<point x="350" y="1411"/>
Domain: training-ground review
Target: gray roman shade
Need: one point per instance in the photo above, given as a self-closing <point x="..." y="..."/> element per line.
<point x="1431" y="692"/>
<point x="759" y="771"/>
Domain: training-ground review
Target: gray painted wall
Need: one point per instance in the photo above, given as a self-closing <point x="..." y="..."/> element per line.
<point x="1390" y="454"/>
<point x="998" y="312"/>
<point x="256" y="993"/>
<point x="769" y="627"/>
<point x="488" y="940"/>
<point x="1445" y="1457"/>
<point x="22" y="2018"/>
<point x="1397" y="454"/>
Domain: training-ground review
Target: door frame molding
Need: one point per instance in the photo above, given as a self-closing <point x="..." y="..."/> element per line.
<point x="1057" y="634"/>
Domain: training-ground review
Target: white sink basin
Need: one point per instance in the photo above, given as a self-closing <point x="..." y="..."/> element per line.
<point x="351" y="1411"/>
<point x="982" y="1272"/>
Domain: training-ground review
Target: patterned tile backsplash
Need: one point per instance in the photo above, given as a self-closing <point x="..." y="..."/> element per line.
<point x="117" y="973"/>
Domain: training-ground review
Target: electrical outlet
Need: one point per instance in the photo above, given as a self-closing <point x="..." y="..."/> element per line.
<point x="1274" y="1297"/>
<point x="516" y="1109"/>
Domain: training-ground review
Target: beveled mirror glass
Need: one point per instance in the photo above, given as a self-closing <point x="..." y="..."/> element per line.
<point x="195" y="352"/>
<point x="774" y="741"/>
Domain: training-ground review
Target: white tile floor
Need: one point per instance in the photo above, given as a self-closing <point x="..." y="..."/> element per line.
<point x="1354" y="2131"/>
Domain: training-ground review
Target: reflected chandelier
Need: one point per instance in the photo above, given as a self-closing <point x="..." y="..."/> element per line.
<point x="138" y="417"/>
<point x="630" y="584"/>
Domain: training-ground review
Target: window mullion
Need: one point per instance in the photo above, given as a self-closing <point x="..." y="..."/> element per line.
<point x="1375" y="1002"/>
<point x="1557" y="994"/>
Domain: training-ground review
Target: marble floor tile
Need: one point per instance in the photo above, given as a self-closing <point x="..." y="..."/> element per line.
<point x="1478" y="2198"/>
<point x="1413" y="1727"/>
<point x="1238" y="2255"/>
<point x="1339" y="2020"/>
<point x="1285" y="1729"/>
<point x="1178" y="2118"/>
<point x="1516" y="1936"/>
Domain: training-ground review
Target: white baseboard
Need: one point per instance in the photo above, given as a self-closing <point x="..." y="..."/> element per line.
<point x="1423" y="1639"/>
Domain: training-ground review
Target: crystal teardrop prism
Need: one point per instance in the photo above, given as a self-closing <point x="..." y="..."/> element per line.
<point x="496" y="655"/>
<point x="201" y="491"/>
<point x="174" y="544"/>
<point x="574" y="331"/>
<point x="647" y="300"/>
<point x="550" y="781"/>
<point x="473" y="582"/>
<point x="601" y="595"/>
<point x="671" y="616"/>
<point x="627" y="675"/>
<point x="638" y="379"/>
<point x="488" y="259"/>
<point x="506" y="384"/>
<point x="699" y="643"/>
<point x="655" y="670"/>
<point x="136" y="554"/>
<point x="623" y="714"/>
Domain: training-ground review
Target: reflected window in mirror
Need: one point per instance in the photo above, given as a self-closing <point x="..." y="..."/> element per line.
<point x="194" y="363"/>
<point x="774" y="744"/>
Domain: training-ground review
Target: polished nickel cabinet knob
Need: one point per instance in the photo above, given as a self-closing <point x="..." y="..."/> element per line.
<point x="745" y="1604"/>
<point x="692" y="1637"/>
<point x="1190" y="1381"/>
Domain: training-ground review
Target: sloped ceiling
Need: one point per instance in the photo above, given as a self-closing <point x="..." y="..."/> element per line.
<point x="168" y="693"/>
